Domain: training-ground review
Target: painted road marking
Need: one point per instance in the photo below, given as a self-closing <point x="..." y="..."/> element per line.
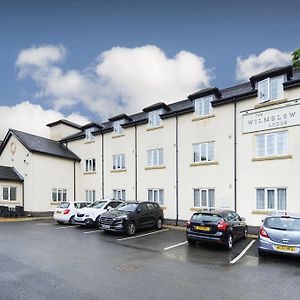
<point x="92" y="231"/>
<point x="68" y="227"/>
<point x="44" y="224"/>
<point x="174" y="246"/>
<point x="242" y="253"/>
<point x="141" y="235"/>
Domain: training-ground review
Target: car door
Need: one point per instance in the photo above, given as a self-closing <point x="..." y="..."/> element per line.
<point x="240" y="225"/>
<point x="142" y="216"/>
<point x="152" y="214"/>
<point x="234" y="224"/>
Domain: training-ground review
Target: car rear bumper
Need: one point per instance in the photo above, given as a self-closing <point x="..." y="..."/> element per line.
<point x="205" y="238"/>
<point x="61" y="217"/>
<point x="266" y="245"/>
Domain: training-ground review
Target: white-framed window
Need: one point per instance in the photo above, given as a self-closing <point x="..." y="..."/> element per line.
<point x="88" y="134"/>
<point x="270" y="88"/>
<point x="154" y="119"/>
<point x="155" y="157"/>
<point x="203" y="106"/>
<point x="271" y="199"/>
<point x="203" y="152"/>
<point x="156" y="195"/>
<point x="119" y="162"/>
<point x="272" y="144"/>
<point x="204" y="198"/>
<point x="9" y="193"/>
<point x="59" y="195"/>
<point x="119" y="195"/>
<point x="118" y="129"/>
<point x="90" y="196"/>
<point x="90" y="165"/>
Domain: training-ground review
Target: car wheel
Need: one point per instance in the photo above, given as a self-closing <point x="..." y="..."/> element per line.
<point x="97" y="221"/>
<point x="130" y="228"/>
<point x="72" y="220"/>
<point x="229" y="242"/>
<point x="159" y="224"/>
<point x="191" y="243"/>
<point x="245" y="232"/>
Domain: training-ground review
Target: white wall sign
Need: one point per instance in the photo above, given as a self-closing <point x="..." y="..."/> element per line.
<point x="270" y="119"/>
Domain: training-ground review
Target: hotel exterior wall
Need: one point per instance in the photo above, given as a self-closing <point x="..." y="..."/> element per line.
<point x="273" y="173"/>
<point x="120" y="179"/>
<point x="60" y="131"/>
<point x="161" y="178"/>
<point x="217" y="174"/>
<point x="87" y="181"/>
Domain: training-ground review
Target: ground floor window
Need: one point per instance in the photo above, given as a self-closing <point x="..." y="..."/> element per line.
<point x="204" y="198"/>
<point x="59" y="195"/>
<point x="9" y="193"/>
<point x="156" y="195"/>
<point x="271" y="198"/>
<point x="119" y="195"/>
<point x="90" y="195"/>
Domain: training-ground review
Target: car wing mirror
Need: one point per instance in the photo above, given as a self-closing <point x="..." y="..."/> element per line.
<point x="109" y="208"/>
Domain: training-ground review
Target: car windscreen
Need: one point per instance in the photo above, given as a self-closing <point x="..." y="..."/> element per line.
<point x="97" y="203"/>
<point x="206" y="218"/>
<point x="127" y="207"/>
<point x="64" y="205"/>
<point x="283" y="223"/>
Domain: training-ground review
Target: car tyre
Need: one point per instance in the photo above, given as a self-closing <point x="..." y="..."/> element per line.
<point x="59" y="222"/>
<point x="191" y="243"/>
<point x="261" y="252"/>
<point x="245" y="232"/>
<point x="72" y="220"/>
<point x="130" y="228"/>
<point x="229" y="242"/>
<point x="97" y="221"/>
<point x="159" y="224"/>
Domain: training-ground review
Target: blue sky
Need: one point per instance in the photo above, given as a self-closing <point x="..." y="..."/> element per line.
<point x="217" y="31"/>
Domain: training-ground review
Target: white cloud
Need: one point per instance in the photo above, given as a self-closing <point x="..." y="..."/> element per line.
<point x="32" y="118"/>
<point x="121" y="79"/>
<point x="254" y="64"/>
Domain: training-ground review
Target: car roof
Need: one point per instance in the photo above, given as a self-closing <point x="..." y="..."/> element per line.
<point x="282" y="214"/>
<point x="220" y="212"/>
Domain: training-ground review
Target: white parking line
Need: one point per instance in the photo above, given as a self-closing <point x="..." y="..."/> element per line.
<point x="68" y="227"/>
<point x="44" y="224"/>
<point x="242" y="253"/>
<point x="91" y="231"/>
<point x="141" y="235"/>
<point x="174" y="246"/>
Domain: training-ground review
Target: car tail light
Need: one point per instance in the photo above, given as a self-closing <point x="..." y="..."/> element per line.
<point x="222" y="226"/>
<point x="66" y="211"/>
<point x="263" y="233"/>
<point x="188" y="223"/>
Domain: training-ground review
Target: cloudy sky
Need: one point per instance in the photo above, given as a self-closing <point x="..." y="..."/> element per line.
<point x="87" y="60"/>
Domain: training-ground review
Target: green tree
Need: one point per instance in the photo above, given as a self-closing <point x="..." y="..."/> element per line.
<point x="296" y="58"/>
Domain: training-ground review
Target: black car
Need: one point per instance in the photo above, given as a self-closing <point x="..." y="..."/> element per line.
<point x="130" y="216"/>
<point x="216" y="226"/>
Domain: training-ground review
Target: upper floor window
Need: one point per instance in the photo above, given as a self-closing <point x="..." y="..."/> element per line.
<point x="59" y="195"/>
<point x="204" y="198"/>
<point x="118" y="129"/>
<point x="155" y="157"/>
<point x="154" y="119"/>
<point x="203" y="152"/>
<point x="271" y="144"/>
<point x="156" y="195"/>
<point x="271" y="199"/>
<point x="88" y="134"/>
<point x="119" y="195"/>
<point x="270" y="88"/>
<point x="119" y="162"/>
<point x="90" y="165"/>
<point x="203" y="106"/>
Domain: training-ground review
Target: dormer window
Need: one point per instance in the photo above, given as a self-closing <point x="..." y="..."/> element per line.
<point x="203" y="106"/>
<point x="270" y="88"/>
<point x="118" y="129"/>
<point x="88" y="134"/>
<point x="154" y="119"/>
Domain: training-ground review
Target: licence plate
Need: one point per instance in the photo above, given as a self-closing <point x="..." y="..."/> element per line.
<point x="58" y="212"/>
<point x="202" y="228"/>
<point x="105" y="226"/>
<point x="285" y="248"/>
<point x="78" y="219"/>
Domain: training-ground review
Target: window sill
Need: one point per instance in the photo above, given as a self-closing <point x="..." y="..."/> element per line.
<point x="155" y="167"/>
<point x="271" y="102"/>
<point x="261" y="212"/>
<point x="200" y="209"/>
<point x="56" y="203"/>
<point x="272" y="157"/>
<point x="89" y="142"/>
<point x="117" y="136"/>
<point x="89" y="173"/>
<point x="199" y="118"/>
<point x="154" y="128"/>
<point x="204" y="163"/>
<point x="118" y="170"/>
<point x="9" y="202"/>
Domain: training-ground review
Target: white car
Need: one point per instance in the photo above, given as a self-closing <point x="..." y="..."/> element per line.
<point x="89" y="216"/>
<point x="66" y="212"/>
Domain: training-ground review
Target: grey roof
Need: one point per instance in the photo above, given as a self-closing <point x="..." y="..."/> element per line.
<point x="10" y="174"/>
<point x="38" y="144"/>
<point x="66" y="122"/>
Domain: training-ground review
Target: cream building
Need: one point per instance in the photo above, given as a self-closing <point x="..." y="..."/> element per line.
<point x="235" y="148"/>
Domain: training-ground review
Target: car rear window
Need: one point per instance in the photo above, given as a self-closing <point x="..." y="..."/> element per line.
<point x="283" y="223"/>
<point x="206" y="218"/>
<point x="64" y="205"/>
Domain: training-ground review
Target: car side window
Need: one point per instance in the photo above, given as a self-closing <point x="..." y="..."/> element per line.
<point x="143" y="207"/>
<point x="114" y="204"/>
<point x="230" y="216"/>
<point x="236" y="216"/>
<point x="150" y="206"/>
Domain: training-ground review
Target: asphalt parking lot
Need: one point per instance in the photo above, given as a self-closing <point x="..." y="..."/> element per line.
<point x="43" y="260"/>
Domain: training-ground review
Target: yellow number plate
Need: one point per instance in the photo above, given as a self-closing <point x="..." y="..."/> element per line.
<point x="203" y="228"/>
<point x="285" y="248"/>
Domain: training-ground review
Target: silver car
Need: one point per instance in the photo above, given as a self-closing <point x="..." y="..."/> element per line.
<point x="280" y="234"/>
